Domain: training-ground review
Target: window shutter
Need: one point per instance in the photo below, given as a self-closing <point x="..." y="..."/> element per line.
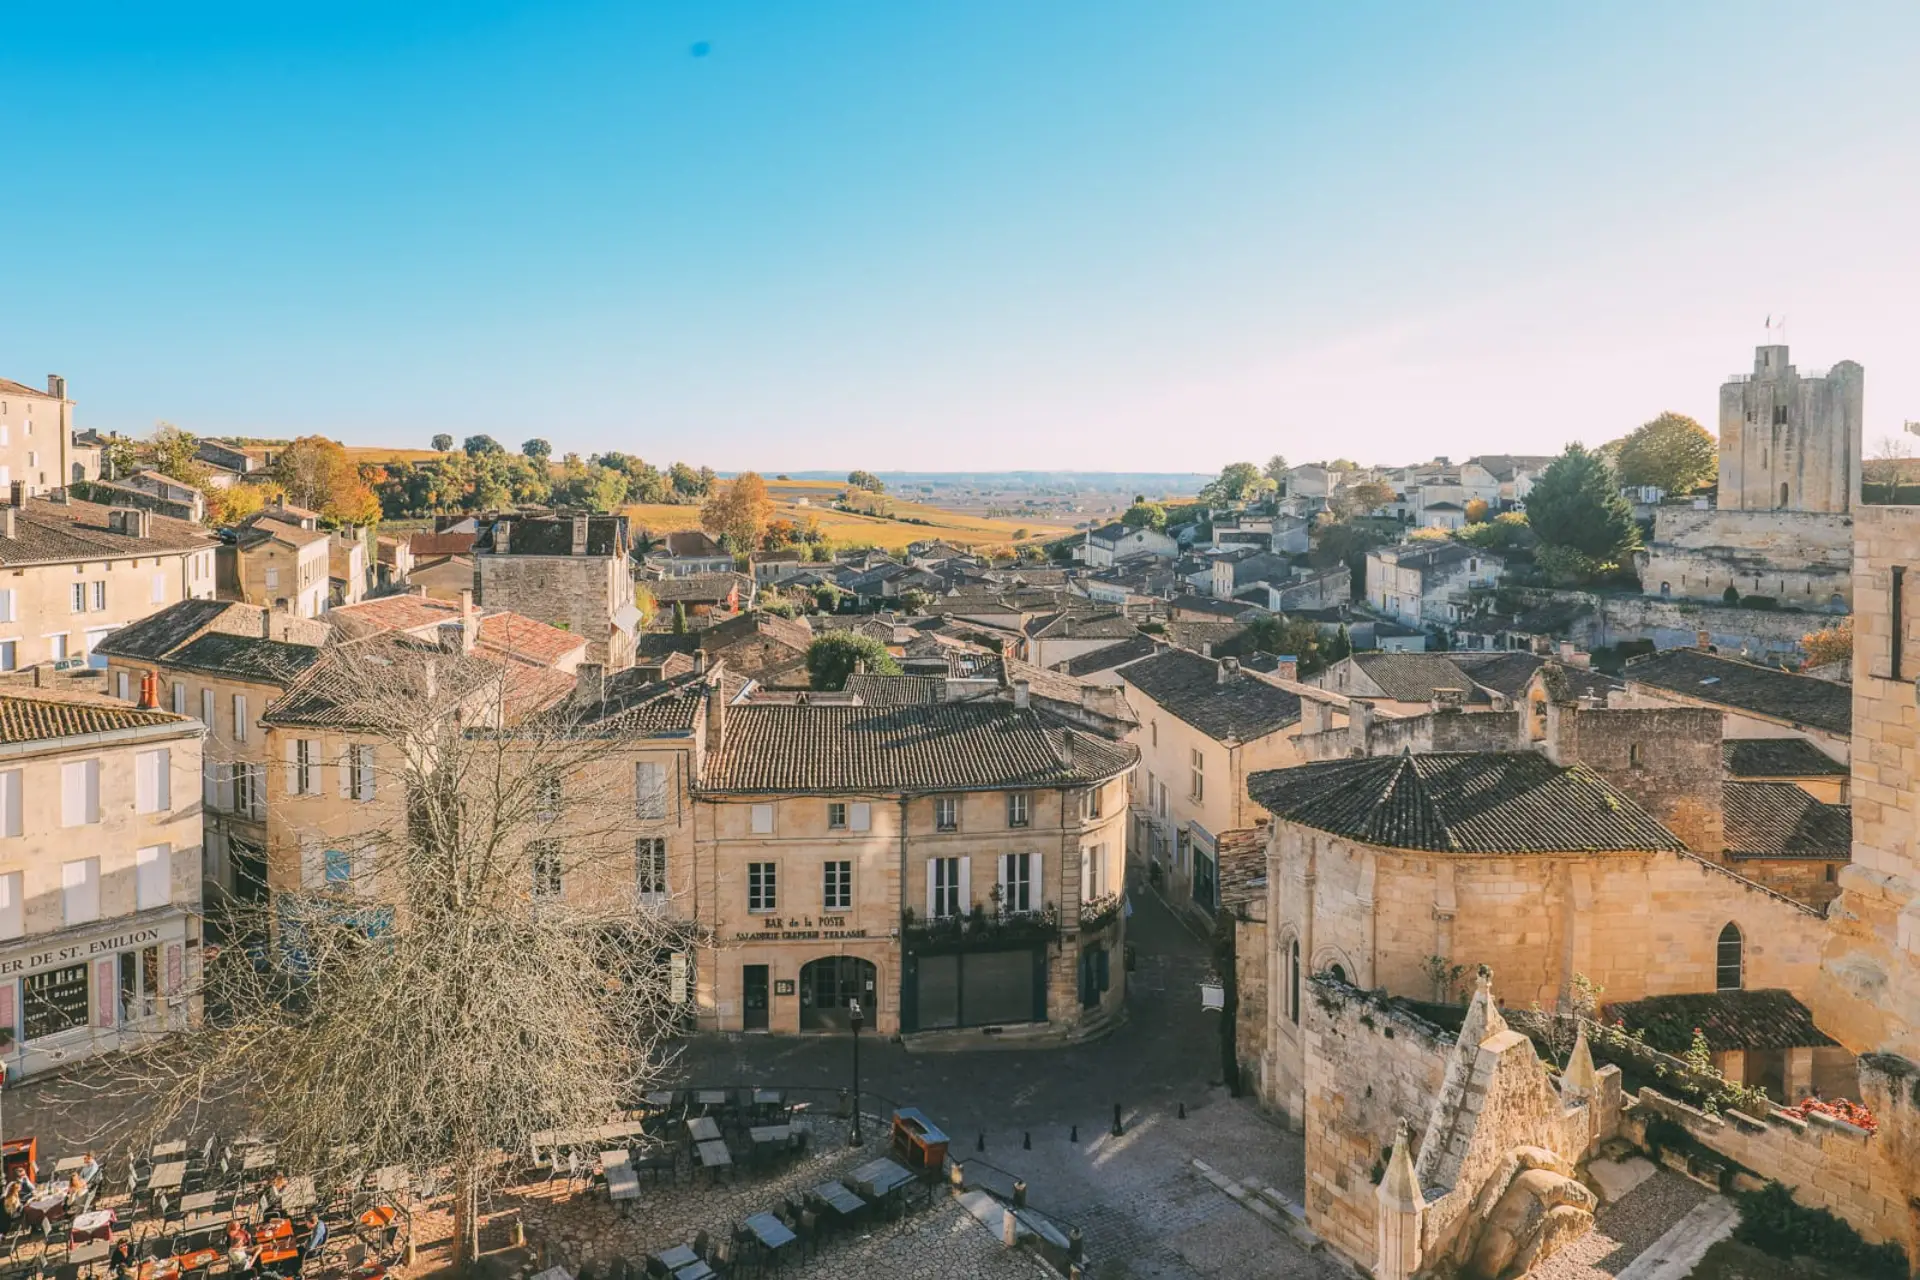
<point x="293" y="766"/>
<point x="12" y="909"/>
<point x="209" y="784"/>
<point x="10" y="803"/>
<point x="179" y="698"/>
<point x="346" y="773"/>
<point x="120" y="685"/>
<point x="206" y="708"/>
<point x="104" y="988"/>
<point x="7" y="1007"/>
<point x="860" y="817"/>
<point x="1086" y="876"/>
<point x="146" y="790"/>
<point x="932" y="865"/>
<point x="1036" y="882"/>
<point x="176" y="969"/>
<point x="966" y="882"/>
<point x="1005" y="864"/>
<point x="313" y="866"/>
<point x="239" y="717"/>
<point x="763" y="819"/>
<point x="6" y="605"/>
<point x="363" y="782"/>
<point x="73" y="793"/>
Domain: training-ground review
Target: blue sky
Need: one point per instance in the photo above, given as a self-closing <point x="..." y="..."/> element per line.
<point x="979" y="236"/>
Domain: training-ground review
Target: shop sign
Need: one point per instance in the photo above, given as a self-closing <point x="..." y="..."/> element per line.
<point x="77" y="951"/>
<point x="800" y="929"/>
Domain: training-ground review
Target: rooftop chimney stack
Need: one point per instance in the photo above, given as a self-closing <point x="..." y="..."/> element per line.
<point x="590" y="679"/>
<point x="579" y="536"/>
<point x="1022" y="695"/>
<point x="56" y="386"/>
<point x="716" y="713"/>
<point x="699" y="662"/>
<point x="149" y="691"/>
<point x="1288" y="668"/>
<point x="1227" y="670"/>
<point x="1703" y="639"/>
<point x="466" y="603"/>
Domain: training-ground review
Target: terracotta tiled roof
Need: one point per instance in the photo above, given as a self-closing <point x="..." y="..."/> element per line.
<point x="629" y="703"/>
<point x="1779" y="820"/>
<point x="503" y="634"/>
<point x="1745" y="686"/>
<point x="1242" y="707"/>
<point x="9" y="387"/>
<point x="1778" y="758"/>
<point x="513" y="635"/>
<point x="1728" y="1020"/>
<point x="47" y="532"/>
<point x="372" y="677"/>
<point x="449" y="543"/>
<point x="892" y="750"/>
<point x="1462" y="802"/>
<point x="43" y="717"/>
<point x="266" y="529"/>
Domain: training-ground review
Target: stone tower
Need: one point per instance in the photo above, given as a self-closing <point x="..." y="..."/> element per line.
<point x="1787" y="442"/>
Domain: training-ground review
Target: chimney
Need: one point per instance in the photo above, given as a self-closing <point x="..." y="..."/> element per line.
<point x="1022" y="695"/>
<point x="7" y="527"/>
<point x="1449" y="699"/>
<point x="56" y="386"/>
<point x="1566" y="652"/>
<point x="149" y="691"/>
<point x="1703" y="639"/>
<point x="466" y="602"/>
<point x="1359" y="726"/>
<point x="579" y="536"/>
<point x="699" y="662"/>
<point x="40" y="672"/>
<point x="716" y="715"/>
<point x="1288" y="667"/>
<point x="1227" y="670"/>
<point x="503" y="537"/>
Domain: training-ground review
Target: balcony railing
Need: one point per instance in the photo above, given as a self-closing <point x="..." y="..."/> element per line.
<point x="981" y="928"/>
<point x="1098" y="913"/>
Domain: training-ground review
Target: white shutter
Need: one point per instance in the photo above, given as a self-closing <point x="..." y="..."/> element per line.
<point x="1003" y="863"/>
<point x="150" y="782"/>
<point x="363" y="779"/>
<point x="933" y="865"/>
<point x="313" y="865"/>
<point x="860" y="818"/>
<point x="120" y="685"/>
<point x="966" y="884"/>
<point x="179" y="698"/>
<point x="1036" y="883"/>
<point x="293" y="766"/>
<point x="206" y="709"/>
<point x="151" y="874"/>
<point x="6" y="605"/>
<point x="12" y="917"/>
<point x="80" y="890"/>
<point x="763" y="819"/>
<point x="239" y="717"/>
<point x="10" y="803"/>
<point x="79" y="793"/>
<point x="159" y="588"/>
<point x="346" y="772"/>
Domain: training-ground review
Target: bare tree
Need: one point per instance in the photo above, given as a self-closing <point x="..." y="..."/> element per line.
<point x="476" y="962"/>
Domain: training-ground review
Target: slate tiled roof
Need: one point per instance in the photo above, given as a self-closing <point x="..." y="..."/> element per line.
<point x="628" y="703"/>
<point x="1073" y="625"/>
<point x="897" y="691"/>
<point x="694" y="544"/>
<point x="374" y="677"/>
<point x="699" y="588"/>
<point x="1242" y="859"/>
<point x="1413" y="677"/>
<point x="159" y="634"/>
<point x="1197" y="636"/>
<point x="1212" y="606"/>
<point x="1778" y="758"/>
<point x="1728" y="1019"/>
<point x="219" y="637"/>
<point x="264" y="528"/>
<point x="1242" y="708"/>
<point x="44" y="716"/>
<point x="1745" y="686"/>
<point x="1779" y="820"/>
<point x="966" y="746"/>
<point x="1107" y="657"/>
<point x="1462" y="802"/>
<point x="1504" y="673"/>
<point x="245" y="657"/>
<point x="51" y="532"/>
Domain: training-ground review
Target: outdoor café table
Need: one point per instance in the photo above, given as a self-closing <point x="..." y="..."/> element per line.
<point x="697" y="1271"/>
<point x="878" y="1178"/>
<point x="770" y="1231"/>
<point x="622" y="1182"/>
<point x="616" y="1130"/>
<point x="199" y="1201"/>
<point x="704" y="1129"/>
<point x="198" y="1259"/>
<point x="260" y="1158"/>
<point x="169" y="1150"/>
<point x="48" y="1206"/>
<point x="711" y="1098"/>
<point x="381" y="1215"/>
<point x="96" y="1225"/>
<point x="159" y="1269"/>
<point x="660" y="1099"/>
<point x="278" y="1229"/>
<point x="167" y="1176"/>
<point x="89" y="1255"/>
<point x="839" y="1199"/>
<point x="555" y="1273"/>
<point x="279" y="1261"/>
<point x="677" y="1257"/>
<point x="68" y="1164"/>
<point x="205" y="1221"/>
<point x="714" y="1156"/>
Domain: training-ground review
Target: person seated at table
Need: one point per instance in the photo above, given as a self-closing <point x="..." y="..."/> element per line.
<point x="89" y="1168"/>
<point x="273" y="1201"/>
<point x="314" y="1229"/>
<point x="238" y="1235"/>
<point x="13" y="1206"/>
<point x="77" y="1191"/>
<point x="120" y="1258"/>
<point x="25" y="1183"/>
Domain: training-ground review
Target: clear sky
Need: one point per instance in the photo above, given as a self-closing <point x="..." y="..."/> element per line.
<point x="954" y="235"/>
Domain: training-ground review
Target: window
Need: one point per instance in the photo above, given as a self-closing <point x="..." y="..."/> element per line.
<point x="99" y="596"/>
<point x="1779" y="415"/>
<point x="1017" y="809"/>
<point x="1016" y="881"/>
<point x="250" y="790"/>
<point x="762" y="887"/>
<point x="1093" y="872"/>
<point x="1091" y="803"/>
<point x="10" y="803"/>
<point x="153" y="781"/>
<point x="1727" y="963"/>
<point x="763" y="820"/>
<point x="1634" y="758"/>
<point x="239" y="717"/>
<point x="1198" y="774"/>
<point x="357" y="772"/>
<point x="860" y="815"/>
<point x="836" y="816"/>
<point x="152" y="876"/>
<point x="1293" y="981"/>
<point x="79" y="600"/>
<point x="53" y="1002"/>
<point x="120" y="686"/>
<point x="179" y="698"/>
<point x="6" y="605"/>
<point x="944" y="880"/>
<point x="12" y="918"/>
<point x="303" y="767"/>
<point x="1783" y="493"/>
<point x="649" y="789"/>
<point x="80" y="890"/>
<point x="545" y="857"/>
<point x="1154" y="727"/>
<point x="159" y="595"/>
<point x="79" y="793"/>
<point x="57" y="647"/>
<point x="946" y="813"/>
<point x="547" y="794"/>
<point x="9" y="655"/>
<point x="206" y="708"/>
<point x="836" y="886"/>
<point x="650" y="865"/>
<point x="273" y="578"/>
<point x="139" y="983"/>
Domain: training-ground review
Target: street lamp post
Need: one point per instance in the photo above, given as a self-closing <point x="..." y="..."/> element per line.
<point x="853" y="1008"/>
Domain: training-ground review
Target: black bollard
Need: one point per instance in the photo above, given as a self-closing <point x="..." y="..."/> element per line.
<point x="1183" y="1111"/>
<point x="980" y="1143"/>
<point x="1073" y="1134"/>
<point x="1019" y="1195"/>
<point x="1076" y="1247"/>
<point x="1118" y="1128"/>
<point x="1026" y="1141"/>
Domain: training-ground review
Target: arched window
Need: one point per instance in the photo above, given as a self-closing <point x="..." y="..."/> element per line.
<point x="1293" y="982"/>
<point x="1666" y="588"/>
<point x="1339" y="973"/>
<point x="1728" y="961"/>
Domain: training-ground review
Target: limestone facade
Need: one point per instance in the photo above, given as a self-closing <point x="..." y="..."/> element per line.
<point x="35" y="435"/>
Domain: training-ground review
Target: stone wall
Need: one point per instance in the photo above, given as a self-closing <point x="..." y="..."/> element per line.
<point x="1250" y="976"/>
<point x="1671" y="624"/>
<point x="1666" y="758"/>
<point x="1450" y="730"/>
<point x="576" y="593"/>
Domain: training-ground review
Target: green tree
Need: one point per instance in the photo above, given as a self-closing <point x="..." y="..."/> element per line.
<point x="1576" y="505"/>
<point x="1276" y="469"/>
<point x="442" y="442"/>
<point x="1237" y="482"/>
<point x="1361" y="499"/>
<point x="1673" y="452"/>
<point x="477" y="445"/>
<point x="865" y="480"/>
<point x="537" y="449"/>
<point x="174" y="454"/>
<point x="679" y="617"/>
<point x="1277" y="634"/>
<point x="915" y="601"/>
<point x="832" y="658"/>
<point x="826" y="596"/>
<point x="685" y="483"/>
<point x="1145" y="515"/>
<point x="119" y="459"/>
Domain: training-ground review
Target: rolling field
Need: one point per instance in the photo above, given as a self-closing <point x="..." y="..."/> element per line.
<point x="847" y="528"/>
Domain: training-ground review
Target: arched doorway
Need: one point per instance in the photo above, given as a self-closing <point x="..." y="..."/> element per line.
<point x="829" y="984"/>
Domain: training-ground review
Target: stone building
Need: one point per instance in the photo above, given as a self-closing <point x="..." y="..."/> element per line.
<point x="75" y="572"/>
<point x="571" y="571"/>
<point x="36" y="436"/>
<point x="279" y="559"/>
<point x="1429" y="583"/>
<point x="1754" y="701"/>
<point x="1781" y="522"/>
<point x="99" y="875"/>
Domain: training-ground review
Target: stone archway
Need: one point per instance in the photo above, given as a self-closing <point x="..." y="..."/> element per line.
<point x="829" y="985"/>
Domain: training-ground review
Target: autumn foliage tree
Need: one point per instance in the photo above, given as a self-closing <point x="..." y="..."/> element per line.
<point x="739" y="511"/>
<point x="1829" y="644"/>
<point x="316" y="473"/>
<point x="1672" y="452"/>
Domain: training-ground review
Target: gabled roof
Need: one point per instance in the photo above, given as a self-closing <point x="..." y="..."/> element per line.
<point x="262" y="529"/>
<point x="1225" y="705"/>
<point x="1745" y="686"/>
<point x="967" y="746"/>
<point x="222" y="638"/>
<point x="55" y="532"/>
<point x="9" y="387"/>
<point x="1727" y="1019"/>
<point x="1075" y="625"/>
<point x="896" y="691"/>
<point x="1196" y="636"/>
<point x="1778" y="758"/>
<point x="1462" y="802"/>
<point x="245" y="657"/>
<point x="1109" y="656"/>
<point x="694" y="544"/>
<point x="1780" y="820"/>
<point x="1414" y="677"/>
<point x="629" y="703"/>
<point x="45" y="716"/>
<point x="698" y="588"/>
